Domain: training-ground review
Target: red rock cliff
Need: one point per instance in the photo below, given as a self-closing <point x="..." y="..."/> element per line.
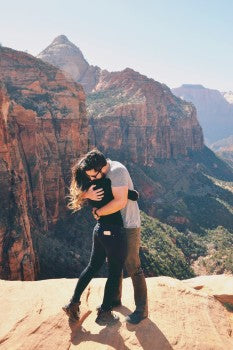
<point x="141" y="118"/>
<point x="43" y="130"/>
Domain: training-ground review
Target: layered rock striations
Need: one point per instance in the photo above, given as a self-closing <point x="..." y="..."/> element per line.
<point x="129" y="113"/>
<point x="17" y="257"/>
<point x="43" y="130"/>
<point x="141" y="119"/>
<point x="68" y="57"/>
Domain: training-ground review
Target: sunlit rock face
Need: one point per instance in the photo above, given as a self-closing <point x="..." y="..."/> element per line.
<point x="180" y="317"/>
<point x="65" y="55"/>
<point x="43" y="131"/>
<point x="141" y="119"/>
<point x="130" y="115"/>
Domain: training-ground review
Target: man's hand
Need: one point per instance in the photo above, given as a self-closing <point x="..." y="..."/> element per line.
<point x="94" y="195"/>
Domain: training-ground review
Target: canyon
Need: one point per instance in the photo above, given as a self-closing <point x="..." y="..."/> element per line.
<point x="47" y="122"/>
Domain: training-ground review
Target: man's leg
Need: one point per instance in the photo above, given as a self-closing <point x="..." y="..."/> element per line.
<point x="116" y="249"/>
<point x="133" y="267"/>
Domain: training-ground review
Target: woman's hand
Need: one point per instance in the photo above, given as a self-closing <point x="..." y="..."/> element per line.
<point x="94" y="195"/>
<point x="96" y="216"/>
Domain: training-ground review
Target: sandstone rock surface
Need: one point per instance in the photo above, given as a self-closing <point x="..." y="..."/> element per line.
<point x="220" y="286"/>
<point x="43" y="129"/>
<point x="140" y="119"/>
<point x="180" y="317"/>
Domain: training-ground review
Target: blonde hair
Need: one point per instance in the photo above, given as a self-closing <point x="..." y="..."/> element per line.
<point x="77" y="188"/>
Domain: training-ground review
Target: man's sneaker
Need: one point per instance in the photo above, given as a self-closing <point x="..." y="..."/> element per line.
<point x="115" y="304"/>
<point x="135" y="317"/>
<point x="72" y="310"/>
<point x="105" y="318"/>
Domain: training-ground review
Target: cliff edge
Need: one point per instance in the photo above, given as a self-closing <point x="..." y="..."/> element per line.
<point x="182" y="315"/>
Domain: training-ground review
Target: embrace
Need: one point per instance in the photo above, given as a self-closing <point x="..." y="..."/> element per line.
<point x="107" y="186"/>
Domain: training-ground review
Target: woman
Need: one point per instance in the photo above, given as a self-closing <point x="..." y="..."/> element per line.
<point x="108" y="241"/>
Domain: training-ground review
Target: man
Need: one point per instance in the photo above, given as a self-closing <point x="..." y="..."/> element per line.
<point x="121" y="182"/>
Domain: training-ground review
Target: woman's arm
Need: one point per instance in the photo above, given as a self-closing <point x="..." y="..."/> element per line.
<point x="119" y="201"/>
<point x="94" y="195"/>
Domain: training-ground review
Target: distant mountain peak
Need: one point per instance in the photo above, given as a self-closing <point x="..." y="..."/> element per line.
<point x="129" y="70"/>
<point x="61" y="39"/>
<point x="193" y="86"/>
<point x="215" y="109"/>
<point x="65" y="55"/>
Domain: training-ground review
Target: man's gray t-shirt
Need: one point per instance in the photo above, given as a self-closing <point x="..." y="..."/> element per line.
<point x="119" y="176"/>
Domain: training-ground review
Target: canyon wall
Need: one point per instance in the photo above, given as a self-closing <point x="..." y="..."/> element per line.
<point x="141" y="119"/>
<point x="43" y="131"/>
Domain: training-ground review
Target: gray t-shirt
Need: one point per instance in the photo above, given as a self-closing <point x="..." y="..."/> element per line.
<point x="119" y="176"/>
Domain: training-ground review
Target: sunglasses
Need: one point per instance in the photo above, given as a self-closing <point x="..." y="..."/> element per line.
<point x="95" y="176"/>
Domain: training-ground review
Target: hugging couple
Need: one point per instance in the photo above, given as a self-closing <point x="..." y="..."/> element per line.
<point x="107" y="186"/>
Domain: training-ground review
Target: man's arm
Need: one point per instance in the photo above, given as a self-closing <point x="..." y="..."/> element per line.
<point x="120" y="195"/>
<point x="119" y="183"/>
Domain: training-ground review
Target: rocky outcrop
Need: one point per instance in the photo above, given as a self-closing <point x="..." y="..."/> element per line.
<point x="43" y="130"/>
<point x="68" y="57"/>
<point x="180" y="317"/>
<point x="214" y="112"/>
<point x="141" y="119"/>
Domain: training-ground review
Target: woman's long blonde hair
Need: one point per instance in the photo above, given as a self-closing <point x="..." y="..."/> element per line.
<point x="76" y="200"/>
<point x="79" y="184"/>
<point x="80" y="181"/>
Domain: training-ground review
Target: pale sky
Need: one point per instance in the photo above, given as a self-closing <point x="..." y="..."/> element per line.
<point x="172" y="41"/>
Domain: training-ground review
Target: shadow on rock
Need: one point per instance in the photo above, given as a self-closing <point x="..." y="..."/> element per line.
<point x="148" y="334"/>
<point x="109" y="336"/>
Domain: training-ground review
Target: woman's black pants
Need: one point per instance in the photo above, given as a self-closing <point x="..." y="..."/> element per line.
<point x="107" y="242"/>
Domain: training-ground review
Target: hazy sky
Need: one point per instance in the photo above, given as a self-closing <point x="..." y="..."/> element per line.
<point x="172" y="41"/>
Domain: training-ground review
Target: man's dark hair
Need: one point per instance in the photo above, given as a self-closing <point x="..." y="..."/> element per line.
<point x="93" y="160"/>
